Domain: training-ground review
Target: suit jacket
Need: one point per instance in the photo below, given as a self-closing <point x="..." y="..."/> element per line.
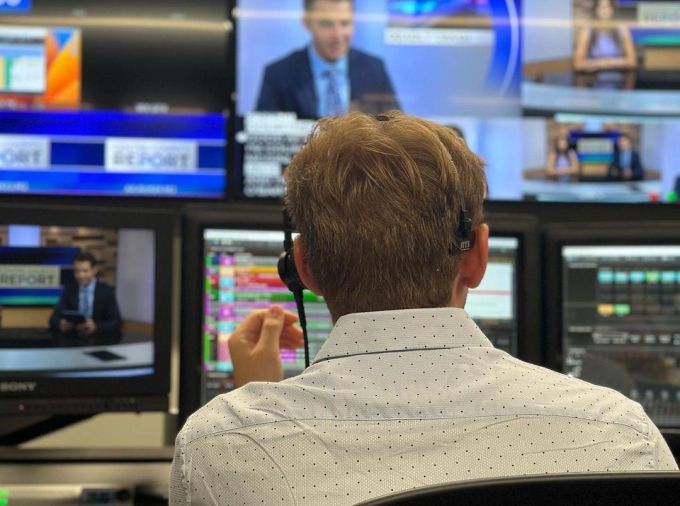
<point x="615" y="171"/>
<point x="288" y="85"/>
<point x="105" y="312"/>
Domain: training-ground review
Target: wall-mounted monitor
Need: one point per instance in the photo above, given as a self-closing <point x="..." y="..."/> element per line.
<point x="614" y="313"/>
<point x="84" y="293"/>
<point x="432" y="59"/>
<point x="601" y="56"/>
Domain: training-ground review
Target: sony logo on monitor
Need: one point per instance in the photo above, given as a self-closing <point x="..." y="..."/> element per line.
<point x="24" y="152"/>
<point x="18" y="386"/>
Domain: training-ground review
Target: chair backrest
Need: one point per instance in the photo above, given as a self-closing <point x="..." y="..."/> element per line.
<point x="601" y="489"/>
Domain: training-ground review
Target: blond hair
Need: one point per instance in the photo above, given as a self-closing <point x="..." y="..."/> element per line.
<point x="376" y="201"/>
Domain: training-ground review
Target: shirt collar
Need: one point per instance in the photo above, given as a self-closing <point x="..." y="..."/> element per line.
<point x="402" y="330"/>
<point x="89" y="287"/>
<point x="319" y="65"/>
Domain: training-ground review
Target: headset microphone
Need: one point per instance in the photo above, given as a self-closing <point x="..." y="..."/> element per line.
<point x="290" y="277"/>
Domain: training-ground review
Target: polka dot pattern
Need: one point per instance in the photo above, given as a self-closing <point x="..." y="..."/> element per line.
<point x="403" y="399"/>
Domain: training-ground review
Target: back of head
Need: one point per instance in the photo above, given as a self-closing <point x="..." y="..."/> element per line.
<point x="377" y="201"/>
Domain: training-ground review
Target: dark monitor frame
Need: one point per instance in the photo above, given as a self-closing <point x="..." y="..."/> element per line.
<point x="195" y="219"/>
<point x="59" y="396"/>
<point x="261" y="216"/>
<point x="525" y="228"/>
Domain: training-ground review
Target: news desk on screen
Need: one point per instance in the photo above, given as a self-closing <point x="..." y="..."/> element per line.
<point x="84" y="298"/>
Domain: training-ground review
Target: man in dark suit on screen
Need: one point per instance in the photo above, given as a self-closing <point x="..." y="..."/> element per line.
<point x="93" y="299"/>
<point x="625" y="164"/>
<point x="328" y="77"/>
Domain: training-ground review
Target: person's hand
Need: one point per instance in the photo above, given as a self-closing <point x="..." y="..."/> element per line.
<point x="255" y="344"/>
<point x="88" y="327"/>
<point x="65" y="326"/>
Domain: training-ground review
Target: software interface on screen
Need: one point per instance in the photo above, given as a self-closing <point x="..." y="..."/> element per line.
<point x="84" y="113"/>
<point x="63" y="316"/>
<point x="621" y="322"/>
<point x="240" y="275"/>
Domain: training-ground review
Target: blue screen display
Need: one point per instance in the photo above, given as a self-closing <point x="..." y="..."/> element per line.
<point x="113" y="154"/>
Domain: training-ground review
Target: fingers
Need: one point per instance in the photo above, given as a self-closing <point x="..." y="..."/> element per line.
<point x="272" y="327"/>
<point x="291" y="338"/>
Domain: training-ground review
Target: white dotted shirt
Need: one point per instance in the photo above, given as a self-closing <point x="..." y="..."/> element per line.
<point x="403" y="399"/>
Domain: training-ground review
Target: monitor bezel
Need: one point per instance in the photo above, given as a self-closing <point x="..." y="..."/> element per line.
<point x="195" y="219"/>
<point x="143" y="392"/>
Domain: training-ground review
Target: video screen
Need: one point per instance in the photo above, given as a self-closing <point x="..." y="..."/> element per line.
<point x="294" y="66"/>
<point x="156" y="56"/>
<point x="621" y="322"/>
<point x="76" y="302"/>
<point x="601" y="159"/>
<point x="40" y="66"/>
<point x="608" y="57"/>
<point x="240" y="276"/>
<point x="113" y="104"/>
<point x="493" y="304"/>
<point x="113" y="153"/>
<point x="576" y="158"/>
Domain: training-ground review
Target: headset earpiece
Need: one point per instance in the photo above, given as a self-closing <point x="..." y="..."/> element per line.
<point x="463" y="236"/>
<point x="286" y="265"/>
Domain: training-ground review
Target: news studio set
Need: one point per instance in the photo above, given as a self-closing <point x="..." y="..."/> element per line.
<point x="143" y="147"/>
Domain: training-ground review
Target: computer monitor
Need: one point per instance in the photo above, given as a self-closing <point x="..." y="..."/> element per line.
<point x="85" y="294"/>
<point x="230" y="269"/>
<point x="616" y="313"/>
<point x="493" y="304"/>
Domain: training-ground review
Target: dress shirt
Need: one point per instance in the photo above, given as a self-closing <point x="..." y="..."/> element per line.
<point x="321" y="70"/>
<point x="402" y="399"/>
<point x="626" y="158"/>
<point x="86" y="298"/>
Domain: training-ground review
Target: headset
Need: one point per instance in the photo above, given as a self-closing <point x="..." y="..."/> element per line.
<point x="290" y="277"/>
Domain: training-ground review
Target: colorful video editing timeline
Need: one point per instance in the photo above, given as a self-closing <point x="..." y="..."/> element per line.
<point x="241" y="276"/>
<point x="621" y="324"/>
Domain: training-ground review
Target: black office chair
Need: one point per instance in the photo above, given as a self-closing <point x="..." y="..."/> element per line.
<point x="597" y="489"/>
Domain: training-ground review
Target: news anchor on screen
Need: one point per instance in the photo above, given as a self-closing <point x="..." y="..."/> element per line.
<point x="328" y="77"/>
<point x="625" y="164"/>
<point x="87" y="309"/>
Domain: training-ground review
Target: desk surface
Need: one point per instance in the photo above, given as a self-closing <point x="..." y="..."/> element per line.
<point x="552" y="191"/>
<point x="76" y="359"/>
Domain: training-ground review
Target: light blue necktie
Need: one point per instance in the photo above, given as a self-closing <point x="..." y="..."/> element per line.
<point x="333" y="101"/>
<point x="85" y="301"/>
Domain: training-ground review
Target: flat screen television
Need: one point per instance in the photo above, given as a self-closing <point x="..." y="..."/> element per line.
<point x="96" y="101"/>
<point x="406" y="55"/>
<point x="85" y="294"/>
<point x="614" y="316"/>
